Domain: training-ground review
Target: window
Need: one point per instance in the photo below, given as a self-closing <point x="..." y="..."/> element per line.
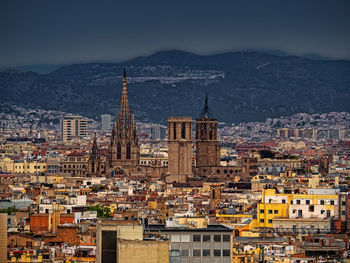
<point x="311" y="208"/>
<point x="185" y="238"/>
<point x="206" y="253"/>
<point x="28" y="244"/>
<point x="322" y="211"/>
<point x="291" y="202"/>
<point x="343" y="213"/>
<point x="298" y="202"/>
<point x="270" y="221"/>
<point x="185" y="253"/>
<point x="262" y="211"/>
<point x="174" y="129"/>
<point x="307" y="202"/>
<point x="226" y="238"/>
<point x="128" y="151"/>
<point x="196" y="238"/>
<point x="283" y="201"/>
<point x="217" y="238"/>
<point x="196" y="253"/>
<point x="343" y="203"/>
<point x="210" y="132"/>
<point x="300" y="213"/>
<point x="275" y="212"/>
<point x="217" y="253"/>
<point x="270" y="200"/>
<point x="261" y="220"/>
<point x="270" y="211"/>
<point x="183" y="131"/>
<point x="328" y="213"/>
<point x="119" y="151"/>
<point x="206" y="238"/>
<point x="226" y="252"/>
<point x="322" y="202"/>
<point x="332" y="202"/>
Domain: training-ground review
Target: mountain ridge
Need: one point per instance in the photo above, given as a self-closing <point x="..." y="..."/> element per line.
<point x="242" y="86"/>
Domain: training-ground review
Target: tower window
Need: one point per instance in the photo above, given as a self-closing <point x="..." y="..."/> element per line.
<point x="210" y="132"/>
<point x="174" y="127"/>
<point x="183" y="131"/>
<point x="119" y="151"/>
<point x="202" y="128"/>
<point x="128" y="151"/>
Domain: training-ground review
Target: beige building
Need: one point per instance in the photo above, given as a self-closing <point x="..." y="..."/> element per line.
<point x="25" y="167"/>
<point x="3" y="237"/>
<point x="302" y="225"/>
<point x="6" y="165"/>
<point x="130" y="251"/>
<point x="73" y="126"/>
<point x="75" y="164"/>
<point x="119" y="241"/>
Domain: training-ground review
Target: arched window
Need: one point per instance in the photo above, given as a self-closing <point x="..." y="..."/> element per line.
<point x="202" y="129"/>
<point x="183" y="131"/>
<point x="128" y="151"/>
<point x="211" y="132"/>
<point x="119" y="151"/>
<point x="174" y="127"/>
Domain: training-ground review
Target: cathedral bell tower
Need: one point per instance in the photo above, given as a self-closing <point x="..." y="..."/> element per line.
<point x="179" y="149"/>
<point x="207" y="144"/>
<point x="124" y="149"/>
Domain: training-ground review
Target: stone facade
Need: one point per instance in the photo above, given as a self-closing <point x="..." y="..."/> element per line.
<point x="143" y="251"/>
<point x="95" y="164"/>
<point x="3" y="236"/>
<point x="179" y="148"/>
<point x="124" y="149"/>
<point x="207" y="144"/>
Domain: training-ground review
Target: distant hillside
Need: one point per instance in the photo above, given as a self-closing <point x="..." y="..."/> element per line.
<point x="242" y="86"/>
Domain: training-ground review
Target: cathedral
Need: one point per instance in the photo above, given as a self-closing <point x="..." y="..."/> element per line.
<point x="123" y="149"/>
<point x="123" y="155"/>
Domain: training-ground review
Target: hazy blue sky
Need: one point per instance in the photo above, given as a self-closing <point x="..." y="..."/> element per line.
<point x="44" y="31"/>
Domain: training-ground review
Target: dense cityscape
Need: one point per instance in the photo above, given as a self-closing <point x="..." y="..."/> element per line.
<point x="75" y="189"/>
<point x="175" y="131"/>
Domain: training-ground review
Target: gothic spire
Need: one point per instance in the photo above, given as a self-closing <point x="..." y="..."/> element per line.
<point x="124" y="124"/>
<point x="94" y="149"/>
<point x="205" y="111"/>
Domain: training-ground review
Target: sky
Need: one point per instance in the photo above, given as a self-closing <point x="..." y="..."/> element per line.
<point x="77" y="31"/>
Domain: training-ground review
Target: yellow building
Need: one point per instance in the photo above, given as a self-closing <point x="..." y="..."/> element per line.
<point x="6" y="165"/>
<point x="318" y="204"/>
<point x="25" y="167"/>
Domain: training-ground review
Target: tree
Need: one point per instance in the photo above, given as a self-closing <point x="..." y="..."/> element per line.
<point x="102" y="211"/>
<point x="9" y="210"/>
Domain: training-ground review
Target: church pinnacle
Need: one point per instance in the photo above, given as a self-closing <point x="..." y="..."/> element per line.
<point x="205" y="111"/>
<point x="124" y="149"/>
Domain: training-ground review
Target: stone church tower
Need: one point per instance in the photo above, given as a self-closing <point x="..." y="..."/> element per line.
<point x="124" y="149"/>
<point x="179" y="149"/>
<point x="207" y="144"/>
<point x="95" y="166"/>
